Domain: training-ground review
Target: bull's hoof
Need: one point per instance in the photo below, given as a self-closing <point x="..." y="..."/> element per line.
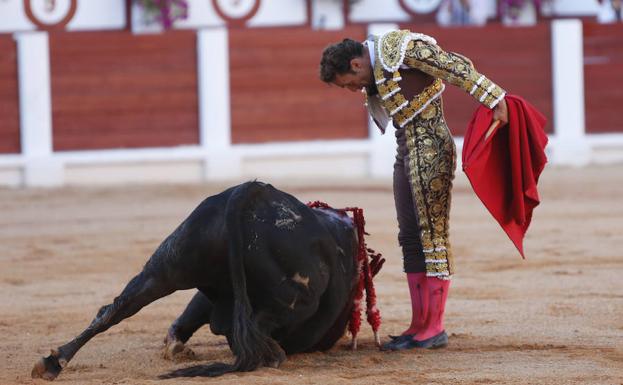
<point x="176" y="350"/>
<point x="48" y="367"/>
<point x="278" y="360"/>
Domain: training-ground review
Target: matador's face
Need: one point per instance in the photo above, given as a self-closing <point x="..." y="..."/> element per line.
<point x="360" y="75"/>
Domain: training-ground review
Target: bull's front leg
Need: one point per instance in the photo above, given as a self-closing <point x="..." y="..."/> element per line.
<point x="196" y="314"/>
<point x="139" y="292"/>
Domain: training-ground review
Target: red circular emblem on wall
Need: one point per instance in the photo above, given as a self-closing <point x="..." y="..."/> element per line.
<point x="419" y="7"/>
<point x="50" y="14"/>
<point x="236" y="12"/>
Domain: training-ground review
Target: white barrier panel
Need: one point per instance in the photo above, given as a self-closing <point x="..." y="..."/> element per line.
<point x="215" y="105"/>
<point x="40" y="169"/>
<point x="570" y="145"/>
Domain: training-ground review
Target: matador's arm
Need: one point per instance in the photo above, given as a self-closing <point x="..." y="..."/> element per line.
<point x="453" y="68"/>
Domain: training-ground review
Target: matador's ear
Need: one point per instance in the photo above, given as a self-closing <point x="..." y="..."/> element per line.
<point x="356" y="64"/>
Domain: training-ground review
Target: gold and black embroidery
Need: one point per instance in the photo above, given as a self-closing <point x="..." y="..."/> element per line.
<point x="419" y="103"/>
<point x="421" y="52"/>
<point x="391" y="47"/>
<point x="401" y="110"/>
<point x="453" y="68"/>
<point x="431" y="162"/>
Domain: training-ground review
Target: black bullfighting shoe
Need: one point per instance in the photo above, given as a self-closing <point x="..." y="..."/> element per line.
<point x="400" y="336"/>
<point x="397" y="340"/>
<point x="407" y="342"/>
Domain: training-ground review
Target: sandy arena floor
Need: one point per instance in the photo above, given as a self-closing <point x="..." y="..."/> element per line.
<point x="555" y="318"/>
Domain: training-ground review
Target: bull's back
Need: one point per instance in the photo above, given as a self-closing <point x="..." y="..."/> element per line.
<point x="272" y="229"/>
<point x="280" y="231"/>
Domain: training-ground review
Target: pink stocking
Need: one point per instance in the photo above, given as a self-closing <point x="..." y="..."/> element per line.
<point x="438" y="293"/>
<point x="418" y="289"/>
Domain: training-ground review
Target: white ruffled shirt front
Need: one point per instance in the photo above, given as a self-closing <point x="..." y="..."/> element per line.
<point x="376" y="110"/>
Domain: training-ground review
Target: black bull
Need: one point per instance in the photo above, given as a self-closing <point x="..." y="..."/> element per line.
<point x="273" y="275"/>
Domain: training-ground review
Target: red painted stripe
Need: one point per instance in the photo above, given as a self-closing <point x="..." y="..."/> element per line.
<point x="276" y="93"/>
<point x="9" y="97"/>
<point x="118" y="90"/>
<point x="603" y="77"/>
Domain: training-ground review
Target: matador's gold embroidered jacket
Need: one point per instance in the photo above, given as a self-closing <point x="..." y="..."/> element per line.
<point x="403" y="49"/>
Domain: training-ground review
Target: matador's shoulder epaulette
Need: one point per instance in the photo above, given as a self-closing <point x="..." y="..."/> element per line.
<point x="392" y="46"/>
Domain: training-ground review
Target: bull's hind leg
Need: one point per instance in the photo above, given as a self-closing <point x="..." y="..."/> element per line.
<point x="139" y="292"/>
<point x="196" y="314"/>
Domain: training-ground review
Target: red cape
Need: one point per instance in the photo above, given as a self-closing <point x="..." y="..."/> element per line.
<point x="504" y="168"/>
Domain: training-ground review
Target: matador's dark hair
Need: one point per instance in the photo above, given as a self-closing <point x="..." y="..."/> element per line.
<point x="336" y="59"/>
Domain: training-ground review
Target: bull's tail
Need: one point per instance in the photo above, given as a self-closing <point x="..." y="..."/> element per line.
<point x="251" y="346"/>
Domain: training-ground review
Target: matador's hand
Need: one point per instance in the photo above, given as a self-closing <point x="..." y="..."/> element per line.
<point x="500" y="112"/>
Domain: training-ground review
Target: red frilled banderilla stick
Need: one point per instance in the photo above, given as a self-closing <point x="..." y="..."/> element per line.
<point x="369" y="263"/>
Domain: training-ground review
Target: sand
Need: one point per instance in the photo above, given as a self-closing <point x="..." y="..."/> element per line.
<point x="554" y="318"/>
